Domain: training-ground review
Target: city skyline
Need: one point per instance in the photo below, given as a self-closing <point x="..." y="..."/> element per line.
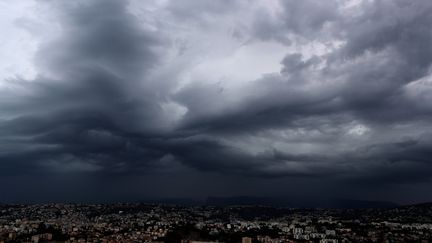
<point x="124" y="100"/>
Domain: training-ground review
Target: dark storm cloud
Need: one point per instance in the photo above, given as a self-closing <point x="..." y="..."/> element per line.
<point x="81" y="113"/>
<point x="385" y="50"/>
<point x="357" y="110"/>
<point x="366" y="76"/>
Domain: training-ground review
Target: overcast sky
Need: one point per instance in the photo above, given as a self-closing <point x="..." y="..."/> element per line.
<point x="121" y="100"/>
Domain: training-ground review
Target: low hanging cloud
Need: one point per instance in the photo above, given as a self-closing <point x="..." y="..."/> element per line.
<point x="125" y="87"/>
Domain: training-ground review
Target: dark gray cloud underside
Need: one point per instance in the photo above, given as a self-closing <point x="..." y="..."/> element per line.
<point x="358" y="112"/>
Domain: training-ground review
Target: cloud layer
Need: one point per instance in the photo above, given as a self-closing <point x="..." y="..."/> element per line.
<point x="311" y="89"/>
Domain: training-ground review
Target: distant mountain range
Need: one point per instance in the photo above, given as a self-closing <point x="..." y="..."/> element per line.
<point x="347" y="203"/>
<point x="276" y="202"/>
<point x="286" y="202"/>
<point x="425" y="207"/>
<point x="174" y="201"/>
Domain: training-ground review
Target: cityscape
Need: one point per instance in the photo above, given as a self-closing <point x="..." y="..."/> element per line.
<point x="140" y="222"/>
